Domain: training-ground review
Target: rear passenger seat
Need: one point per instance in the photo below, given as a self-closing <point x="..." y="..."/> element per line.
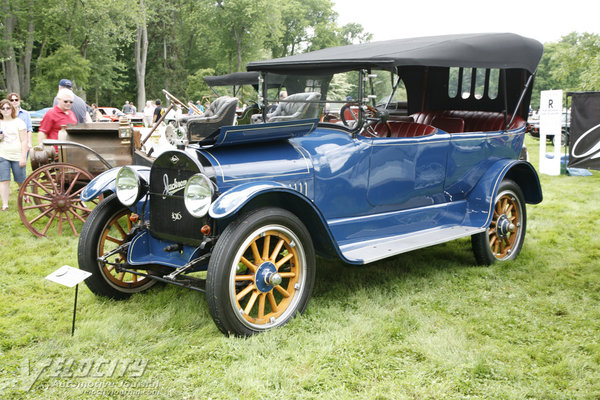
<point x="400" y="129"/>
<point x="457" y="121"/>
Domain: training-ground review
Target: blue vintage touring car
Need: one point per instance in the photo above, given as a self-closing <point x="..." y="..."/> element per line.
<point x="377" y="149"/>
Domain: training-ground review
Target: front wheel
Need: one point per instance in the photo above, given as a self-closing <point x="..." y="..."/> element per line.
<point x="261" y="272"/>
<point x="104" y="231"/>
<point x="505" y="236"/>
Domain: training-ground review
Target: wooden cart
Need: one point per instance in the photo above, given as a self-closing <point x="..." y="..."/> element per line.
<point x="48" y="200"/>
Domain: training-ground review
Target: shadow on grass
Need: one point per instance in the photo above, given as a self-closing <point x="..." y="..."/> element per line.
<point x="423" y="265"/>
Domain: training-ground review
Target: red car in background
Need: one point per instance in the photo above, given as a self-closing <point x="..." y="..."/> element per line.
<point x="113" y="114"/>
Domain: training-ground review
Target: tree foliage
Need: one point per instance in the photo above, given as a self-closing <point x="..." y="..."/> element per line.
<point x="99" y="44"/>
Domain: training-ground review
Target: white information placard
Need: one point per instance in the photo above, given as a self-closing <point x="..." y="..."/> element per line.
<point x="550" y="124"/>
<point x="68" y="276"/>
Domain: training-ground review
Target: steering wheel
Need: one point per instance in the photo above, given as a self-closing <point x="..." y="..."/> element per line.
<point x="373" y="115"/>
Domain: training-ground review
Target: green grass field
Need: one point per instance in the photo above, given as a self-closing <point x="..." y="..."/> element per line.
<point x="429" y="324"/>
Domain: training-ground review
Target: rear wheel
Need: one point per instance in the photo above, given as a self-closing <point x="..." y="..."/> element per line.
<point x="107" y="228"/>
<point x="261" y="272"/>
<point x="504" y="238"/>
<point x="49" y="202"/>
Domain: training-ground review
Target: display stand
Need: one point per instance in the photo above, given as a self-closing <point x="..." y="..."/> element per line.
<point x="70" y="277"/>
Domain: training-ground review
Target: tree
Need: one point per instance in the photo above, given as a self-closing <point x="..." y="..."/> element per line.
<point x="571" y="65"/>
<point x="66" y="61"/>
<point x="141" y="53"/>
<point x="197" y="87"/>
<point x="242" y="27"/>
<point x="17" y="45"/>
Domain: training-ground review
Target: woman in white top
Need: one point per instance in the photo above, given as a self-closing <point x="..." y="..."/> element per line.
<point x="13" y="149"/>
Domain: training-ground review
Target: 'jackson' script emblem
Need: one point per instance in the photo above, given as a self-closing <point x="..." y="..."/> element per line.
<point x="172" y="188"/>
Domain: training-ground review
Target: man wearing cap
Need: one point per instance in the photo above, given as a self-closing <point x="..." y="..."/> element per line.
<point x="60" y="114"/>
<point x="79" y="107"/>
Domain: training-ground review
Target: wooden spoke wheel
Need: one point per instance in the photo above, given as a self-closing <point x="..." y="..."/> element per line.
<point x="505" y="236"/>
<point x="261" y="272"/>
<point x="49" y="202"/>
<point x="503" y="231"/>
<point x="105" y="231"/>
<point x="268" y="272"/>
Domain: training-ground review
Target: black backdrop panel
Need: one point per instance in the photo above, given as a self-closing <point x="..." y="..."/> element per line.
<point x="584" y="141"/>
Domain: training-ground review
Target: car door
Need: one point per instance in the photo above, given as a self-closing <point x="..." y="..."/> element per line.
<point x="407" y="173"/>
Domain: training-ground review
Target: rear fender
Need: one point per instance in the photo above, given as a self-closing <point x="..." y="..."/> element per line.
<point x="105" y="182"/>
<point x="481" y="200"/>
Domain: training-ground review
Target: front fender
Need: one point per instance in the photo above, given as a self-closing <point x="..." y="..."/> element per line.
<point x="105" y="182"/>
<point x="235" y="198"/>
<point x="481" y="200"/>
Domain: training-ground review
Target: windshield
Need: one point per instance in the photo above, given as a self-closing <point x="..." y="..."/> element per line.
<point x="324" y="96"/>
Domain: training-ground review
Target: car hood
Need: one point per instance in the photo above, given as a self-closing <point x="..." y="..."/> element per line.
<point x="247" y="134"/>
<point x="278" y="161"/>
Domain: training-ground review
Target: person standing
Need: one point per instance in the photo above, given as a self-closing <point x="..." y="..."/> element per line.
<point x="13" y="149"/>
<point x="15" y="99"/>
<point x="60" y="114"/>
<point x="133" y="108"/>
<point x="79" y="106"/>
<point x="126" y="108"/>
<point x="158" y="112"/>
<point x="148" y="114"/>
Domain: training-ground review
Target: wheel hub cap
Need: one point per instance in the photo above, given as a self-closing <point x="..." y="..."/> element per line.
<point x="504" y="226"/>
<point x="267" y="277"/>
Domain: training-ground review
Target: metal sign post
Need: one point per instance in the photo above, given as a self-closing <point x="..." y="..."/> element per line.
<point x="69" y="276"/>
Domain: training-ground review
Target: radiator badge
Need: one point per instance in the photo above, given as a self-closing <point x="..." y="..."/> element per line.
<point x="175" y="216"/>
<point x="172" y="188"/>
<point x="174" y="159"/>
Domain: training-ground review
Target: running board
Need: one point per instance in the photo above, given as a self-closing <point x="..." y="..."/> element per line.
<point x="378" y="249"/>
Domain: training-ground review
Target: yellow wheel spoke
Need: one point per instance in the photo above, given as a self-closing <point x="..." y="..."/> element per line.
<point x="261" y="305"/>
<point x="272" y="302"/>
<point x="242" y="278"/>
<point x="282" y="291"/>
<point x="287" y="274"/>
<point x="248" y="264"/>
<point x="244" y="292"/>
<point x="277" y="249"/>
<point x="255" y="252"/>
<point x="266" y="245"/>
<point x="251" y="303"/>
<point x="284" y="260"/>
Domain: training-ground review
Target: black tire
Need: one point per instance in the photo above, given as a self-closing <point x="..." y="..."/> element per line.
<point x="242" y="289"/>
<point x="504" y="237"/>
<point x="104" y="230"/>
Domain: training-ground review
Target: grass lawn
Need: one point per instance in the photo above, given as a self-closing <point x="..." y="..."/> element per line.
<point x="429" y="324"/>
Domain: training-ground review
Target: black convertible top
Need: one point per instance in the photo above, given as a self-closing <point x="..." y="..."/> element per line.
<point x="237" y="78"/>
<point x="483" y="50"/>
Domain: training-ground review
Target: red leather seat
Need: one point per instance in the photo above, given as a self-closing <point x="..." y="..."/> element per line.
<point x="400" y="129"/>
<point x="474" y="121"/>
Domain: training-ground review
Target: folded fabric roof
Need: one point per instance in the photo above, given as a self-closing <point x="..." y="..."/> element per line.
<point x="483" y="50"/>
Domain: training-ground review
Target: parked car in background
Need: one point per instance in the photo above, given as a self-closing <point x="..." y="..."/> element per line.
<point x="113" y="114"/>
<point x="378" y="149"/>
<point x="533" y="127"/>
<point x="37" y="116"/>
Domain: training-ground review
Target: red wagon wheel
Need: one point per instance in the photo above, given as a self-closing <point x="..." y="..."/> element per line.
<point x="49" y="199"/>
